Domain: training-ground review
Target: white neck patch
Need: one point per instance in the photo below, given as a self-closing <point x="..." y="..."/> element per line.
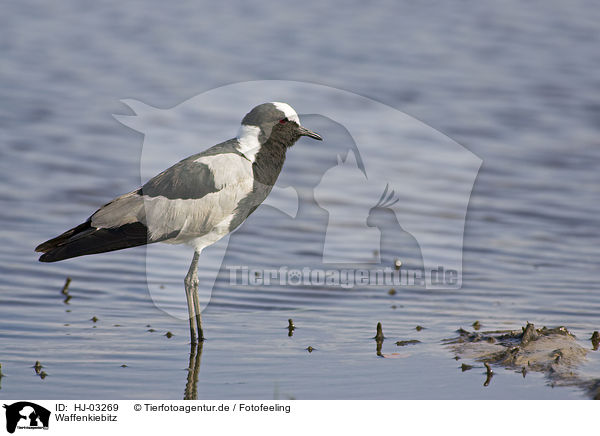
<point x="290" y="113"/>
<point x="248" y="143"/>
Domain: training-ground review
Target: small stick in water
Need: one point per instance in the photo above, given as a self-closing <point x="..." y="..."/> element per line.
<point x="379" y="338"/>
<point x="379" y="335"/>
<point x="489" y="374"/>
<point x="65" y="289"/>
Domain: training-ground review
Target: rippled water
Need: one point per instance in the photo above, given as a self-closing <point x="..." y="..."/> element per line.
<point x="517" y="86"/>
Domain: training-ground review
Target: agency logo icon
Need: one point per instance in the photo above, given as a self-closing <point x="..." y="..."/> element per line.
<point x="26" y="415"/>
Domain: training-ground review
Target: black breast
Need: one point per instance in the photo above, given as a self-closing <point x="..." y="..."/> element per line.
<point x="268" y="162"/>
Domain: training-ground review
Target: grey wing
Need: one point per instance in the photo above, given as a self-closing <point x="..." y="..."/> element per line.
<point x="193" y="177"/>
<point x="188" y="200"/>
<point x="185" y="180"/>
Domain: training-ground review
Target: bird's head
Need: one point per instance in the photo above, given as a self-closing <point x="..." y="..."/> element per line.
<point x="274" y="121"/>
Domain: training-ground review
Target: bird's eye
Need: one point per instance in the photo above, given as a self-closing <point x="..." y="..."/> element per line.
<point x="283" y="121"/>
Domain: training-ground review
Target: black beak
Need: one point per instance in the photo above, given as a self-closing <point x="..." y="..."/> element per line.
<point x="305" y="132"/>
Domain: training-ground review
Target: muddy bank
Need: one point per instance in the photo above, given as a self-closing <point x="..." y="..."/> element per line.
<point x="554" y="352"/>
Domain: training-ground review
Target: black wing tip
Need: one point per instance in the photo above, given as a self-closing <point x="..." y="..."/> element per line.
<point x="47" y="248"/>
<point x="62" y="239"/>
<point x="50" y="254"/>
<point x="46" y="258"/>
<point x="43" y="247"/>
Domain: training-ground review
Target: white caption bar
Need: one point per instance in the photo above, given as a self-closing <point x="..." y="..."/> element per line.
<point x="155" y="417"/>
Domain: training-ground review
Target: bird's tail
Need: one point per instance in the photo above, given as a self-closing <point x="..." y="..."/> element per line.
<point x="86" y="239"/>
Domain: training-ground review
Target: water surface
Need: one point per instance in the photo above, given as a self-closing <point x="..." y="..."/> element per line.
<point x="516" y="85"/>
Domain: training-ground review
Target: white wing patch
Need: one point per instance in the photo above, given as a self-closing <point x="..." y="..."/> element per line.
<point x="193" y="218"/>
<point x="227" y="168"/>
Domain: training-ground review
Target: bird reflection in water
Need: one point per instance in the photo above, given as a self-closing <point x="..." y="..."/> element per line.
<point x="191" y="387"/>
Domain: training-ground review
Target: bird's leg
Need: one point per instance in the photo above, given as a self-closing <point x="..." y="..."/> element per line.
<point x="191" y="314"/>
<point x="197" y="311"/>
<point x="198" y="315"/>
<point x="191" y="290"/>
<point x="191" y="285"/>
